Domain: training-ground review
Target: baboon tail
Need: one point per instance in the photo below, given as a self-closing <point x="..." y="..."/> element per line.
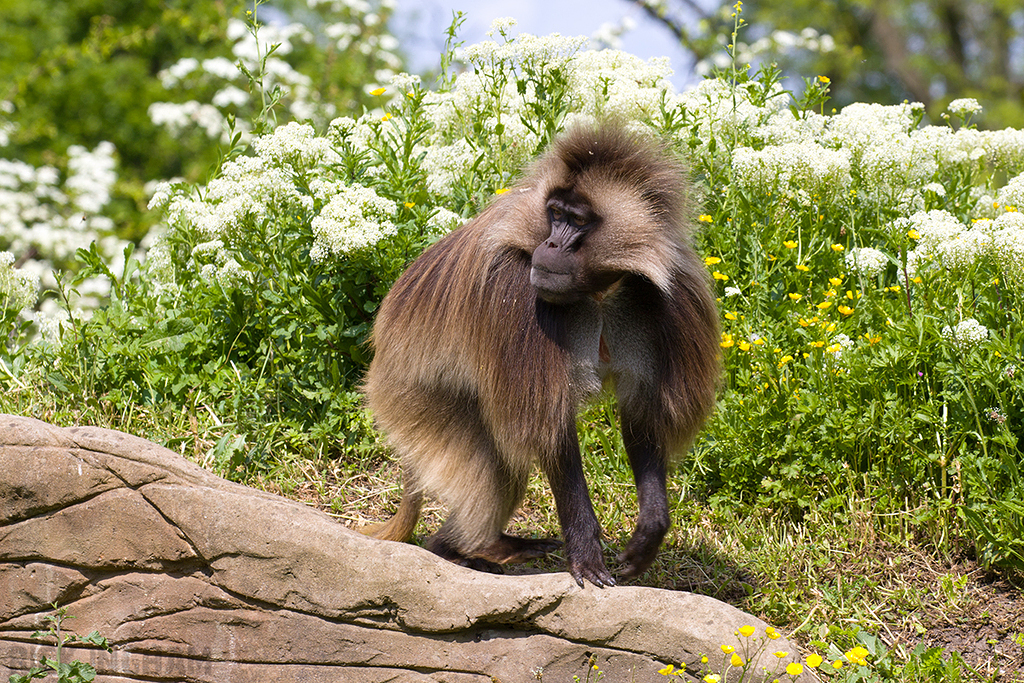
<point x="399" y="527"/>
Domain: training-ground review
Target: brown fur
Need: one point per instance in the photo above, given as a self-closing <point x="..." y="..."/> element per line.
<point x="475" y="380"/>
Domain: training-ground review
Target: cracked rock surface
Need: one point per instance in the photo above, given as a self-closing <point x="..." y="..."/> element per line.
<point x="194" y="578"/>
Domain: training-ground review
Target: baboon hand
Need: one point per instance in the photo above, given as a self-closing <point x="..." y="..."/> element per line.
<point x="587" y="563"/>
<point x="639" y="553"/>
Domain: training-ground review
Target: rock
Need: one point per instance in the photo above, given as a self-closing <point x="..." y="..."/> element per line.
<point x="194" y="578"/>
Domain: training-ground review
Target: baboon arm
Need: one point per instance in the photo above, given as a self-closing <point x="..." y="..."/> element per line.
<point x="648" y="461"/>
<point x="580" y="527"/>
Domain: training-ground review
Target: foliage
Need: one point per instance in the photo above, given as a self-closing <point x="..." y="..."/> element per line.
<point x="736" y="663"/>
<point x="67" y="672"/>
<point x="102" y="99"/>
<point x="906" y="50"/>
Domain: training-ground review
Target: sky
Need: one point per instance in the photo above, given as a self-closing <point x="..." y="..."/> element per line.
<point x="420" y="26"/>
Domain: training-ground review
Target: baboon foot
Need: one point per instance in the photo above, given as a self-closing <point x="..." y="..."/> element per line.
<point x="505" y="550"/>
<point x="513" y="549"/>
<point x="444" y="548"/>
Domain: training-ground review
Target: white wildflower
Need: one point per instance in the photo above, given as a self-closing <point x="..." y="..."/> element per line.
<point x="932" y="227"/>
<point x="965" y="335"/>
<point x="866" y="261"/>
<point x="230" y="96"/>
<point x="91" y="176"/>
<point x="964" y="107"/>
<point x="1008" y="247"/>
<point x="798" y="165"/>
<point x="501" y="26"/>
<point x="446" y="164"/>
<point x="294" y="144"/>
<point x="1005" y="147"/>
<point x="404" y="82"/>
<point x="839" y="345"/>
<point x="1012" y="194"/>
<point x="354" y="218"/>
<point x="443" y="221"/>
<point x="17" y="288"/>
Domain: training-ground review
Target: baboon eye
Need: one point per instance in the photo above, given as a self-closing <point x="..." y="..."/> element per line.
<point x="579" y="221"/>
<point x="556" y="213"/>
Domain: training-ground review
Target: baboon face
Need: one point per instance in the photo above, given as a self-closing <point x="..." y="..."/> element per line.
<point x="565" y="267"/>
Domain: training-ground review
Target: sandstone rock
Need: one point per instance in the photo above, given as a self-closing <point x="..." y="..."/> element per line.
<point x="194" y="578"/>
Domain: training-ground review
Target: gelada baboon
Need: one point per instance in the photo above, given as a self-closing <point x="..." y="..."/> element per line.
<point x="582" y="274"/>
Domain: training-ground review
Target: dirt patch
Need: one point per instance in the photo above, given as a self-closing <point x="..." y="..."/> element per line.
<point x="988" y="631"/>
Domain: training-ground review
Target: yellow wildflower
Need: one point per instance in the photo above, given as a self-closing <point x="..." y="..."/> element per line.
<point x="802" y="268"/>
<point x="744" y="346"/>
<point x="913" y="234"/>
<point x="795" y="297"/>
<point x="719" y="276"/>
<point x="772" y="633"/>
<point x="409" y="205"/>
<point x="845" y="310"/>
<point x="824" y="80"/>
<point x="728" y="649"/>
<point x="378" y="92"/>
<point x="712" y="260"/>
<point x="835" y="281"/>
<point x="780" y="654"/>
<point x="814" y="660"/>
<point x="746" y="631"/>
<point x="704" y="218"/>
<point x="729" y="315"/>
<point x="727" y="340"/>
<point x="502" y="190"/>
<point x="386" y="117"/>
<point x="736" y="660"/>
<point x="823" y="305"/>
<point x="794" y="668"/>
<point x="789" y="244"/>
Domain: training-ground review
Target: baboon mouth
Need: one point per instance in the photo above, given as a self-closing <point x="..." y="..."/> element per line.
<point x="544" y="280"/>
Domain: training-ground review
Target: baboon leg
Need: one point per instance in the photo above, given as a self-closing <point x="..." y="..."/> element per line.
<point x="580" y="528"/>
<point x="473" y="535"/>
<point x="649" y="463"/>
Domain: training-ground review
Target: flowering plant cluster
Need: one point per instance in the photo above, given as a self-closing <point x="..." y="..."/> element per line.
<point x="738" y="663"/>
<point x="870" y="275"/>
